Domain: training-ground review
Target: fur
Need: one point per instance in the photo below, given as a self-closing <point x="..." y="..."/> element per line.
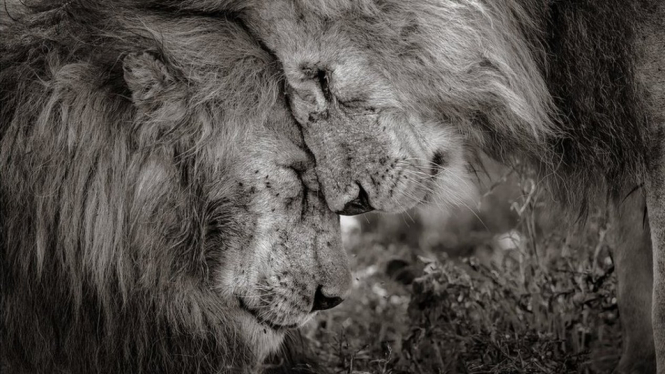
<point x="395" y="98"/>
<point x="507" y="74"/>
<point x="133" y="217"/>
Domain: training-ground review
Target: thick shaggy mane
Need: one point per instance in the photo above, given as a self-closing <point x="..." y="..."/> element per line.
<point x="585" y="130"/>
<point x="590" y="73"/>
<point x="112" y="205"/>
<point x="566" y="81"/>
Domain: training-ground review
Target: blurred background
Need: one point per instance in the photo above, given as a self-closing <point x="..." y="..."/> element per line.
<point x="506" y="284"/>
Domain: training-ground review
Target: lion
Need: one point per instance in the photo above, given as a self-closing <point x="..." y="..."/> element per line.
<point x="159" y="212"/>
<point x="396" y="99"/>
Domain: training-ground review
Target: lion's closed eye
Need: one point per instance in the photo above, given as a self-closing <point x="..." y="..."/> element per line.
<point x="323" y="77"/>
<point x="353" y="103"/>
<point x="357" y="106"/>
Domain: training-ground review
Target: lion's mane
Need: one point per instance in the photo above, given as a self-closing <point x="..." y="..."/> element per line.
<point x="598" y="139"/>
<point x="102" y="256"/>
<point x="600" y="118"/>
<point x="557" y="87"/>
<point x="591" y="132"/>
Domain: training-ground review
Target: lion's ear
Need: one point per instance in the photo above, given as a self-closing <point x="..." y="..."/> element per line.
<point x="146" y="76"/>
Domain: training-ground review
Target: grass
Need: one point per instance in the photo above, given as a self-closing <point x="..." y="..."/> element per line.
<point x="545" y="305"/>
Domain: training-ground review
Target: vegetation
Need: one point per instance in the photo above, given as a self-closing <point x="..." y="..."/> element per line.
<point x="545" y="304"/>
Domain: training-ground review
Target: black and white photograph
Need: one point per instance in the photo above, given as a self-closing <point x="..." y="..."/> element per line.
<point x="332" y="186"/>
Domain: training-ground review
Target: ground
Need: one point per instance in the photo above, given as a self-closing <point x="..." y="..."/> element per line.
<point x="537" y="298"/>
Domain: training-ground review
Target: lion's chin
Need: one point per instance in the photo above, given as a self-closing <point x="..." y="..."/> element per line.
<point x="264" y="323"/>
<point x="263" y="339"/>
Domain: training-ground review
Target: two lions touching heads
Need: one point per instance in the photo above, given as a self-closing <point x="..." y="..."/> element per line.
<point x="160" y="213"/>
<point x="172" y="170"/>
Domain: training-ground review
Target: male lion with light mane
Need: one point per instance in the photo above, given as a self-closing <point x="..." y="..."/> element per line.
<point x="395" y="97"/>
<point x="158" y="213"/>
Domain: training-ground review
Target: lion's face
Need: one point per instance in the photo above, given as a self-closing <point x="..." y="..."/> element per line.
<point x="271" y="244"/>
<point x="389" y="94"/>
<point x="289" y="262"/>
<point x="370" y="153"/>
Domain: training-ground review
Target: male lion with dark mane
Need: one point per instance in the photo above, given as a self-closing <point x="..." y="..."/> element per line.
<point x="158" y="213"/>
<point x="396" y="97"/>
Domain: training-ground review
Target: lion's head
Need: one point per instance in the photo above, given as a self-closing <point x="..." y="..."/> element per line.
<point x="395" y="98"/>
<point x="389" y="93"/>
<point x="158" y="211"/>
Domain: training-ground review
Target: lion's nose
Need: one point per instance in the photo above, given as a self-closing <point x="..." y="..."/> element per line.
<point x="323" y="302"/>
<point x="357" y="206"/>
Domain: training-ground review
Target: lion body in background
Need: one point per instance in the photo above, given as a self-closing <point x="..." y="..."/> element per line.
<point x="155" y="210"/>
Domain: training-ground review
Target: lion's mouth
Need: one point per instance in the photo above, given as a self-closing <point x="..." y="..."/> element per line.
<point x="263" y="321"/>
